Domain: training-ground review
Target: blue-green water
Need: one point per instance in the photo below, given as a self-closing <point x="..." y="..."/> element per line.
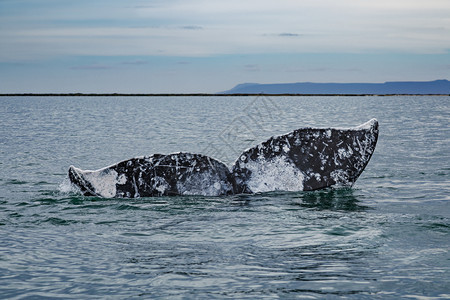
<point x="387" y="237"/>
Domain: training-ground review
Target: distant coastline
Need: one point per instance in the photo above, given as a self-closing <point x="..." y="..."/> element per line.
<point x="441" y="86"/>
<point x="396" y="88"/>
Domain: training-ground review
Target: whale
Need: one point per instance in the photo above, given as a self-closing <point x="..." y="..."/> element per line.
<point x="305" y="159"/>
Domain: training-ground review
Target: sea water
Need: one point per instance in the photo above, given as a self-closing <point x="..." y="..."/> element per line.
<point x="387" y="237"/>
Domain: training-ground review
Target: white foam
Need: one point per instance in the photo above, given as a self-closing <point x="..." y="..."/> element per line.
<point x="277" y="174"/>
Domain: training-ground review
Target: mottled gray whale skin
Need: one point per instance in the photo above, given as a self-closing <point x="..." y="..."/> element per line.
<point x="156" y="175"/>
<point x="303" y="160"/>
<point x="306" y="159"/>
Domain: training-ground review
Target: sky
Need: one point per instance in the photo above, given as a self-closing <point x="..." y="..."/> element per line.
<point x="208" y="46"/>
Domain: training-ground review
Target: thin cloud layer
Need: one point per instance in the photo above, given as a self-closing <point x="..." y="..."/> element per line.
<point x="225" y="41"/>
<point x="224" y="27"/>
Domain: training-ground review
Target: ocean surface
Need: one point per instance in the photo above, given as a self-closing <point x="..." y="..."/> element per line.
<point x="385" y="238"/>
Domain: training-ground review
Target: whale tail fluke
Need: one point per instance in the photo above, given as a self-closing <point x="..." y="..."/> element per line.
<point x="302" y="160"/>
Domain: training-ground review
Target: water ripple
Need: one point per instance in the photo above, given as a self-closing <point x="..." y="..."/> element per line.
<point x="386" y="238"/>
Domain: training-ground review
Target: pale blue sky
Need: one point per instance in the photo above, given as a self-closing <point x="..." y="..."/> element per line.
<point x="176" y="46"/>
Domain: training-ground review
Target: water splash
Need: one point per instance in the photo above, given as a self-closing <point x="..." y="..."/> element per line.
<point x="66" y="187"/>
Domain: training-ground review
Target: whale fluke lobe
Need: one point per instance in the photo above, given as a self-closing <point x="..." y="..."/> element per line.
<point x="156" y="175"/>
<point x="302" y="160"/>
<point x="306" y="159"/>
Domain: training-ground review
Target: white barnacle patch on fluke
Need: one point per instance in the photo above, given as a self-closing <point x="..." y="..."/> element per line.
<point x="204" y="184"/>
<point x="103" y="181"/>
<point x="343" y="153"/>
<point x="340" y="177"/>
<point x="122" y="179"/>
<point x="276" y="174"/>
<point x="160" y="184"/>
<point x="217" y="186"/>
<point x="366" y="126"/>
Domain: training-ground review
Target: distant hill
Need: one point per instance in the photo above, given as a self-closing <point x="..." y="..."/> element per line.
<point x="395" y="87"/>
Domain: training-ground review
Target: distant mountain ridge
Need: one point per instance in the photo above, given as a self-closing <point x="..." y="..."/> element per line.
<point x="395" y="87"/>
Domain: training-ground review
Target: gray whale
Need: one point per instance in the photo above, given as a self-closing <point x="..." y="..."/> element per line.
<point x="303" y="160"/>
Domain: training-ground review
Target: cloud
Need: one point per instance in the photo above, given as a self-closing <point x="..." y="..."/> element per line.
<point x="288" y="34"/>
<point x="252" y="68"/>
<point x="31" y="31"/>
<point x="191" y="27"/>
<point x="135" y="62"/>
<point x="91" y="67"/>
<point x="323" y="70"/>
